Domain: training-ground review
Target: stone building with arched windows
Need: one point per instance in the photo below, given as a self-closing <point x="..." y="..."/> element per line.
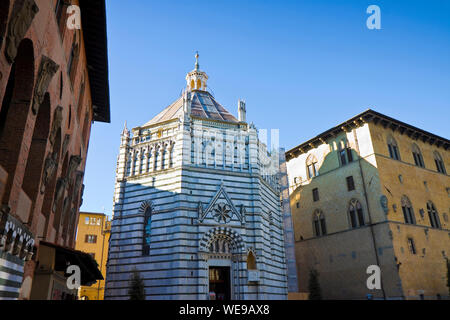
<point x="197" y="206"/>
<point x="49" y="98"/>
<point x="382" y="192"/>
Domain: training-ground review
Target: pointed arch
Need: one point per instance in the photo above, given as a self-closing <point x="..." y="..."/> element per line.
<point x="440" y="166"/>
<point x="251" y="261"/>
<point x="235" y="240"/>
<point x="312" y="166"/>
<point x="228" y="205"/>
<point x="171" y="151"/>
<point x="356" y="214"/>
<point x="408" y="212"/>
<point x="319" y="223"/>
<point x="149" y="157"/>
<point x="393" y="149"/>
<point x="146" y="209"/>
<point x="417" y="155"/>
<point x="433" y="215"/>
<point x="164" y="157"/>
<point x="345" y="152"/>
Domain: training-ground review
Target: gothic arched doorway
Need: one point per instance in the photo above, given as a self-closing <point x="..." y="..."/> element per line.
<point x="224" y="257"/>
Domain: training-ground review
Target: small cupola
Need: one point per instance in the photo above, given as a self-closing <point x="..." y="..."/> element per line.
<point x="196" y="79"/>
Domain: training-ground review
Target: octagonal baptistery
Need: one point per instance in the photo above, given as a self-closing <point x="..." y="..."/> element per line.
<point x="197" y="206"/>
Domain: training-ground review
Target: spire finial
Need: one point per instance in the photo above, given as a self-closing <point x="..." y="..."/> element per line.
<point x="125" y="129"/>
<point x="197" y="66"/>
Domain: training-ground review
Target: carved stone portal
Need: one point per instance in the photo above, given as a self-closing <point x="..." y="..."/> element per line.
<point x="47" y="70"/>
<point x="23" y="14"/>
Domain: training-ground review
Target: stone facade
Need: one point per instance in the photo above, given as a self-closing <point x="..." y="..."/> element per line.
<point x="359" y="198"/>
<point x="196" y="190"/>
<point x="46" y="111"/>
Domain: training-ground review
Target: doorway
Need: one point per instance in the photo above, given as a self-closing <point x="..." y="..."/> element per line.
<point x="219" y="283"/>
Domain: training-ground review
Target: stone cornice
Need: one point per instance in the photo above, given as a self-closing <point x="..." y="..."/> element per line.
<point x="377" y="118"/>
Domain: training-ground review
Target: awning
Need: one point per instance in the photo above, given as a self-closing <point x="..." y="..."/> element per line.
<point x="66" y="256"/>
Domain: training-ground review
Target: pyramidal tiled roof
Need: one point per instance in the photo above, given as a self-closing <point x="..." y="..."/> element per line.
<point x="203" y="106"/>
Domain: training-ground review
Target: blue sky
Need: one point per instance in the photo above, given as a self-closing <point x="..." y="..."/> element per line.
<point x="302" y="67"/>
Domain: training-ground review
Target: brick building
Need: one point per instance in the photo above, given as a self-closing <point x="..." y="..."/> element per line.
<point x="53" y="85"/>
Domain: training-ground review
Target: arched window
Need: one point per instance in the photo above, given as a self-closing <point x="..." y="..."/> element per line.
<point x="356" y="214"/>
<point x="171" y="157"/>
<point x="312" y="167"/>
<point x="129" y="164"/>
<point x="192" y="84"/>
<point x="394" y="153"/>
<point x="408" y="212"/>
<point x="142" y="163"/>
<point x="163" y="158"/>
<point x="146" y="209"/>
<point x="433" y="215"/>
<point x="134" y="165"/>
<point x="417" y="155"/>
<point x="36" y="156"/>
<point x="149" y="159"/>
<point x="345" y="153"/>
<point x="320" y="228"/>
<point x="199" y="84"/>
<point x="439" y="163"/>
<point x="155" y="163"/>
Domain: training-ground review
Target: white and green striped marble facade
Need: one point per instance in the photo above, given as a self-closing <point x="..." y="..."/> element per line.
<point x="193" y="193"/>
<point x="11" y="275"/>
